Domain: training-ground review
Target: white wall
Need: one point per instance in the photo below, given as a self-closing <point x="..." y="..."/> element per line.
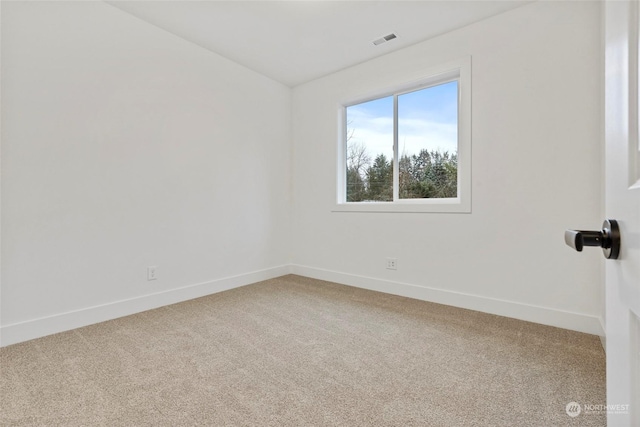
<point x="124" y="146"/>
<point x="536" y="74"/>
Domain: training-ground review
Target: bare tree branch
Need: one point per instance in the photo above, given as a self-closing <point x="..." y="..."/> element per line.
<point x="358" y="159"/>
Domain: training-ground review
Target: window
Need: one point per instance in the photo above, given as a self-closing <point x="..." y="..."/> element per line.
<point x="409" y="149"/>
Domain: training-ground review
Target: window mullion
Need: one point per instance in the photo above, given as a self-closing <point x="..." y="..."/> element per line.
<point x="396" y="163"/>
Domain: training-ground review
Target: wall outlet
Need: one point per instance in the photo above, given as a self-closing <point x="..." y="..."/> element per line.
<point x="392" y="263"/>
<point x="152" y="272"/>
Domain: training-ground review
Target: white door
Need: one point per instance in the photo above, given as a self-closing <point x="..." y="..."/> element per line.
<point x="622" y="203"/>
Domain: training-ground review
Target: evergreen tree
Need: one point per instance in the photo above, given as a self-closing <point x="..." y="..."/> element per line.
<point x="380" y="180"/>
<point x="428" y="174"/>
<point x="356" y="191"/>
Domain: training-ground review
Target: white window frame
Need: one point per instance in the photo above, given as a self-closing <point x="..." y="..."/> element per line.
<point x="459" y="70"/>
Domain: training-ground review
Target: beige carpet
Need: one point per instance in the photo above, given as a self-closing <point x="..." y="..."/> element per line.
<point x="294" y="351"/>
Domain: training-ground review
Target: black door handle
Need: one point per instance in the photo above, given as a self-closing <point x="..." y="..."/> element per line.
<point x="608" y="239"/>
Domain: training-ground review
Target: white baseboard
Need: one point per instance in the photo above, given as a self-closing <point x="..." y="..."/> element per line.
<point x="531" y="313"/>
<point x="24" y="331"/>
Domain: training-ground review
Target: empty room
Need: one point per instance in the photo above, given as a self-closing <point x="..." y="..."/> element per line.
<point x="320" y="213"/>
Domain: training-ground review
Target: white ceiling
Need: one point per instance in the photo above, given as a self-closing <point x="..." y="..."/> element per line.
<point x="294" y="42"/>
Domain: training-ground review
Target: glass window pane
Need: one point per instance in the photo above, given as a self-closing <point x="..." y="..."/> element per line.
<point x="428" y="142"/>
<point x="370" y="151"/>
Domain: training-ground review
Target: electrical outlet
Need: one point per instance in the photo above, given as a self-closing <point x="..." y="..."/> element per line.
<point x="152" y="272"/>
<point x="392" y="263"/>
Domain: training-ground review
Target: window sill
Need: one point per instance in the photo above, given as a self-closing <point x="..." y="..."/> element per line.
<point x="431" y="206"/>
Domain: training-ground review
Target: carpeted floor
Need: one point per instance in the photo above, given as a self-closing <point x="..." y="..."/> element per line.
<point x="294" y="351"/>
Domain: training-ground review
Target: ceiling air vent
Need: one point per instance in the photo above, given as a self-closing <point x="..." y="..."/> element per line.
<point x="385" y="39"/>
